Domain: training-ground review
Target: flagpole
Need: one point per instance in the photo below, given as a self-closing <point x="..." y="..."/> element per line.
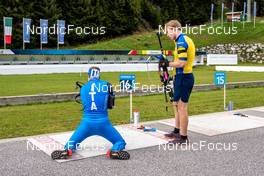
<point x="4" y="34"/>
<point x="58" y="28"/>
<point x="232" y="14"/>
<point x="23" y="35"/>
<point x="212" y="11"/>
<point x="248" y="10"/>
<point x="244" y="14"/>
<point x="222" y="16"/>
<point x="40" y="34"/>
<point x="255" y="13"/>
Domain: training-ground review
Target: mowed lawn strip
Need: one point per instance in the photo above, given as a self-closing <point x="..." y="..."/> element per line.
<point x="12" y="85"/>
<point x="25" y="120"/>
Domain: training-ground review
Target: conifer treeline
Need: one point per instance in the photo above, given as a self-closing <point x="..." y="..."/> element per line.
<point x="120" y="17"/>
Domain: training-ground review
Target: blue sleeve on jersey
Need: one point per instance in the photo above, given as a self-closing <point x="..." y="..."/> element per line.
<point x="181" y="43"/>
<point x="182" y="47"/>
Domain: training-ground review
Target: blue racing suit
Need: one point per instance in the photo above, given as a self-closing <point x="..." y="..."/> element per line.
<point x="94" y="96"/>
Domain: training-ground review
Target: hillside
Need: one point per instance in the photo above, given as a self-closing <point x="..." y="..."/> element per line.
<point x="148" y="40"/>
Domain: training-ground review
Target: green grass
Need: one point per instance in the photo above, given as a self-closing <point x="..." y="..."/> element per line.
<point x="11" y="85"/>
<point x="24" y="120"/>
<point x="148" y="40"/>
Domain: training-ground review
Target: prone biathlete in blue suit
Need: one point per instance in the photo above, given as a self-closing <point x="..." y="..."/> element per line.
<point x="96" y="97"/>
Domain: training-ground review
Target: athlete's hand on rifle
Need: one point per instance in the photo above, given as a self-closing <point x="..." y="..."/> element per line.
<point x="164" y="63"/>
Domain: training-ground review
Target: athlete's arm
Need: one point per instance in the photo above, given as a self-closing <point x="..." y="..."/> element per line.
<point x="177" y="64"/>
<point x="182" y="54"/>
<point x="111" y="97"/>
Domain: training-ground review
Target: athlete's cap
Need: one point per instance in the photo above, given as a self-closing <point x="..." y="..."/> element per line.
<point x="94" y="72"/>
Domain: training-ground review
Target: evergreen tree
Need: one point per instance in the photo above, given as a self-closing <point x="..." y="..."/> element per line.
<point x="120" y="17"/>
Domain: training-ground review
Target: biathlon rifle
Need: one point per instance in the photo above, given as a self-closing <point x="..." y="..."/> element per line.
<point x="164" y="75"/>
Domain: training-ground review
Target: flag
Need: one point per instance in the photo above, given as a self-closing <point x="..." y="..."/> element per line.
<point x="26" y="30"/>
<point x="44" y="31"/>
<point x="244" y="11"/>
<point x="255" y="8"/>
<point x="233" y="11"/>
<point x="61" y="31"/>
<point x="8" y="29"/>
<point x="222" y="13"/>
<point x="212" y="11"/>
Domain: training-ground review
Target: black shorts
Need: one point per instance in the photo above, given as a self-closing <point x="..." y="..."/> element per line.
<point x="183" y="85"/>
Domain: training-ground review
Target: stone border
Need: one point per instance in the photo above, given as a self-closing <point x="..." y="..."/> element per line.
<point x="60" y="97"/>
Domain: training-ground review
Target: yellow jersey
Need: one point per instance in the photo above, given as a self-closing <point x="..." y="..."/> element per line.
<point x="185" y="52"/>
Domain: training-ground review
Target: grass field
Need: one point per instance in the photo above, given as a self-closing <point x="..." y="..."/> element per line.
<point x="24" y="120"/>
<point x="148" y="40"/>
<point x="36" y="119"/>
<point x="12" y="85"/>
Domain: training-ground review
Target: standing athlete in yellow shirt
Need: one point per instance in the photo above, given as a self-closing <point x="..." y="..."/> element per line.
<point x="183" y="79"/>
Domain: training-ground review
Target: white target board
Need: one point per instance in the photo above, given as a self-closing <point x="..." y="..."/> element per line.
<point x="222" y="59"/>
